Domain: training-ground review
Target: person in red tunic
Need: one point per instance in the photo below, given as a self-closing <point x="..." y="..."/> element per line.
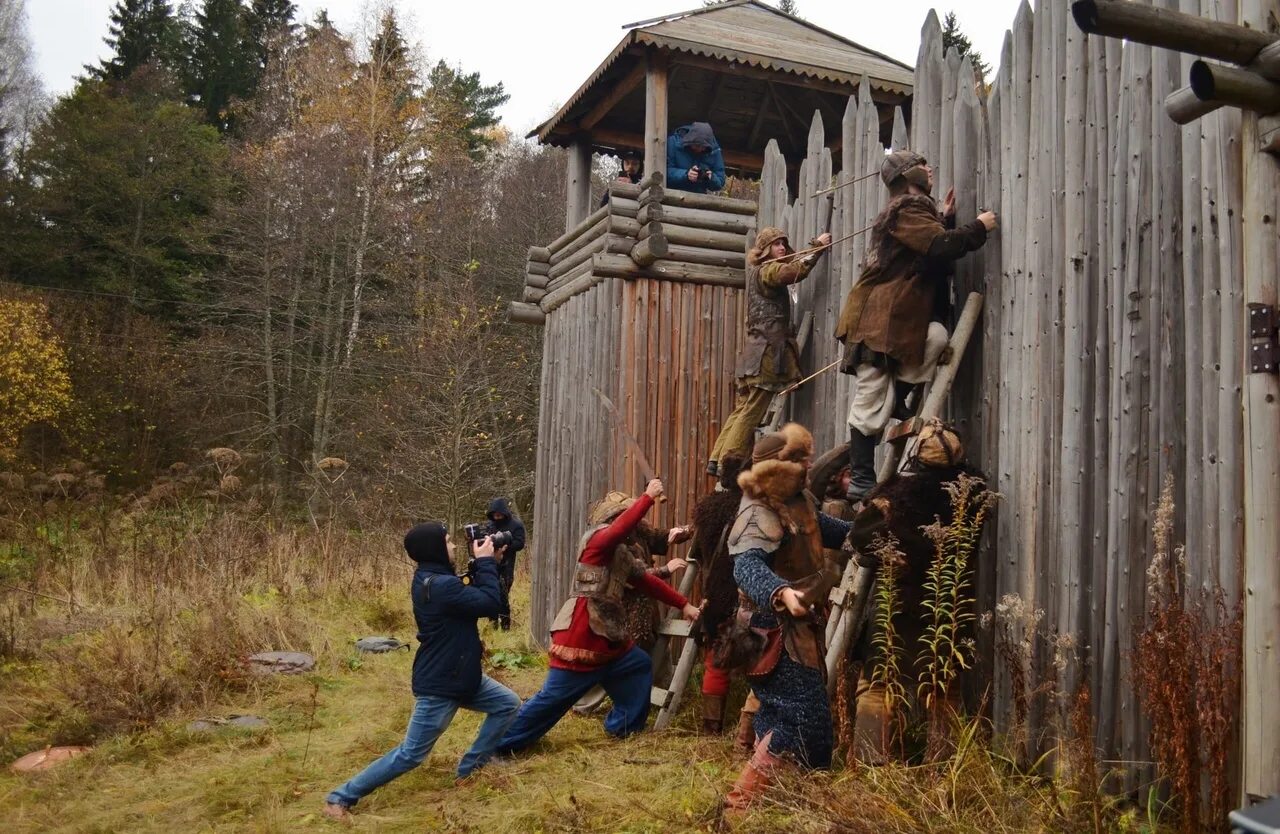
<point x="589" y="641"/>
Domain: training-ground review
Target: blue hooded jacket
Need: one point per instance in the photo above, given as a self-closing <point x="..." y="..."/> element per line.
<point x="680" y="159"/>
<point x="448" y="662"/>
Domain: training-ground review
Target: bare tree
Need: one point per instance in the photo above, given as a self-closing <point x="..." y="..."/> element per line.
<point x="22" y="99"/>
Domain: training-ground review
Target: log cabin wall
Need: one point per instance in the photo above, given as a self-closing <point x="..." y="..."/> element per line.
<point x="1113" y="344"/>
<point x="659" y="340"/>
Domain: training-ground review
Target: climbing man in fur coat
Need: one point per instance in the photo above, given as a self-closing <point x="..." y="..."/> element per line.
<point x="770" y="358"/>
<point x="902" y="508"/>
<point x="777" y="542"/>
<point x="589" y="640"/>
<point x="892" y="324"/>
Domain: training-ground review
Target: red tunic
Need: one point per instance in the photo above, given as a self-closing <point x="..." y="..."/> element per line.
<point x="578" y="639"/>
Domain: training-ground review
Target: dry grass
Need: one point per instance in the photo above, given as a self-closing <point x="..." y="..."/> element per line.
<point x="132" y="662"/>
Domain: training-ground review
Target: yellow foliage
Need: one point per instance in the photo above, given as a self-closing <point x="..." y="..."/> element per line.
<point x="34" y="383"/>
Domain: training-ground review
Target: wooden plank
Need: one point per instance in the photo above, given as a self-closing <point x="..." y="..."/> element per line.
<point x="537" y="281"/>
<point x="572" y="247"/>
<point x="703" y="238"/>
<point x="533" y="267"/>
<point x="698" y="255"/>
<point x="574" y="262"/>
<point x="708" y="202"/>
<point x="570" y="235"/>
<point x="624" y="267"/>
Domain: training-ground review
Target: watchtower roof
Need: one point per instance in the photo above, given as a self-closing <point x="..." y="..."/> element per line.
<point x="750" y="70"/>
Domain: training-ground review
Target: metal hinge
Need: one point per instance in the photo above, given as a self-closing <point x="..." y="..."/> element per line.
<point x="1264" y="344"/>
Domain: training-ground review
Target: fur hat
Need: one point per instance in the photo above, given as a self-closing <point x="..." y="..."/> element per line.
<point x="939" y="446"/>
<point x="898" y="163"/>
<point x="610" y="507"/>
<point x="778" y="470"/>
<point x="792" y="442"/>
<point x="767" y="236"/>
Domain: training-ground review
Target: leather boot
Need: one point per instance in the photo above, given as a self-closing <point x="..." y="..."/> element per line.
<point x="712" y="715"/>
<point x="862" y="464"/>
<point x="759" y="773"/>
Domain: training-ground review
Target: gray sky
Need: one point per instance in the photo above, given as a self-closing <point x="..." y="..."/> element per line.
<point x="541" y="51"/>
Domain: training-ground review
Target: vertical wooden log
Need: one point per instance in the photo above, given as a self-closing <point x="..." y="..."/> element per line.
<point x="655" y="114"/>
<point x="1261" y="207"/>
<point x="577" y="201"/>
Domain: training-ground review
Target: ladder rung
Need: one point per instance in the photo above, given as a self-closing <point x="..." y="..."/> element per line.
<point x="675" y="627"/>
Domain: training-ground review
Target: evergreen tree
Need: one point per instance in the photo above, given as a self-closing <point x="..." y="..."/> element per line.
<point x="122" y="184"/>
<point x="789" y="7"/>
<point x="459" y="105"/>
<point x="389" y="56"/>
<point x="223" y="60"/>
<point x="142" y="32"/>
<point x="268" y="23"/>
<point x="953" y="38"/>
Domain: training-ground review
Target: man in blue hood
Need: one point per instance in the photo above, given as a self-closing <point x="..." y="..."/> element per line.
<point x="447" y="670"/>
<point x="501" y="519"/>
<point x="694" y="162"/>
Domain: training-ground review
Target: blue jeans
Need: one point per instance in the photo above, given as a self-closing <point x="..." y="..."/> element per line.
<point x="628" y="680"/>
<point x="431" y="715"/>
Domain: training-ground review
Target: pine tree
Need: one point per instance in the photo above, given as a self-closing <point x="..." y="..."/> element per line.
<point x="223" y="60"/>
<point x="953" y="38"/>
<point x="459" y="104"/>
<point x="269" y="22"/>
<point x="389" y="55"/>
<point x="142" y="32"/>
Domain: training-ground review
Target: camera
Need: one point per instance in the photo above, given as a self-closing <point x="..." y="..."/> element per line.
<point x="475" y="533"/>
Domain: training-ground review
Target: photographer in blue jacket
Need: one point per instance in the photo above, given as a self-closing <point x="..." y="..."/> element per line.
<point x="447" y="668"/>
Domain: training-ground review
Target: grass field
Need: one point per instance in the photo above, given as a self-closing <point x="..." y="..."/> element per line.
<point x="327" y="725"/>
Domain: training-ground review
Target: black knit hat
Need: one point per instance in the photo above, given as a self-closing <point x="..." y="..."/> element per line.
<point x="425" y="544"/>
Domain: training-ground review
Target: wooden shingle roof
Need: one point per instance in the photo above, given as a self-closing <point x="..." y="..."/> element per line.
<point x="738" y="38"/>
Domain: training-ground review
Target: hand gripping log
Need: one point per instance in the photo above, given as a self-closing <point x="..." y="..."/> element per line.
<point x="847" y="629"/>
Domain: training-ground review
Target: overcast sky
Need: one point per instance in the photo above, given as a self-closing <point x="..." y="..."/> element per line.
<point x="541" y="51"/>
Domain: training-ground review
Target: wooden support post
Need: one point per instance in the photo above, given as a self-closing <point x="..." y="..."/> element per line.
<point x="1236" y="87"/>
<point x="1184" y="106"/>
<point x="577" y="199"/>
<point x="655" y="114"/>
<point x="1168" y="29"/>
<point x="1260" y="726"/>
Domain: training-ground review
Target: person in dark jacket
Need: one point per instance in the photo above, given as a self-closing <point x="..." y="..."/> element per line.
<point x="694" y="162"/>
<point x="630" y="172"/>
<point x="501" y="519"/>
<point x="446" y="669"/>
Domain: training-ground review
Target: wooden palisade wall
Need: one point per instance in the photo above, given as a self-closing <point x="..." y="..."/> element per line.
<point x="1113" y="344"/>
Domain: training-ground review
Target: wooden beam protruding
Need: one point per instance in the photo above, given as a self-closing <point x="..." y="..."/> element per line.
<point x="649" y="250"/>
<point x="522" y="313"/>
<point x="1184" y="107"/>
<point x="655" y="113"/>
<point x="1156" y="26"/>
<point x="1236" y="87"/>
<point x="620" y="91"/>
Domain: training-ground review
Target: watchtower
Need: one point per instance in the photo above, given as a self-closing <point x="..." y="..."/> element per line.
<point x="642" y="297"/>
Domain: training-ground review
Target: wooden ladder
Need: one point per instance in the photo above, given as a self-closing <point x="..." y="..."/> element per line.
<point x="849" y="598"/>
<point x="671" y="628"/>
